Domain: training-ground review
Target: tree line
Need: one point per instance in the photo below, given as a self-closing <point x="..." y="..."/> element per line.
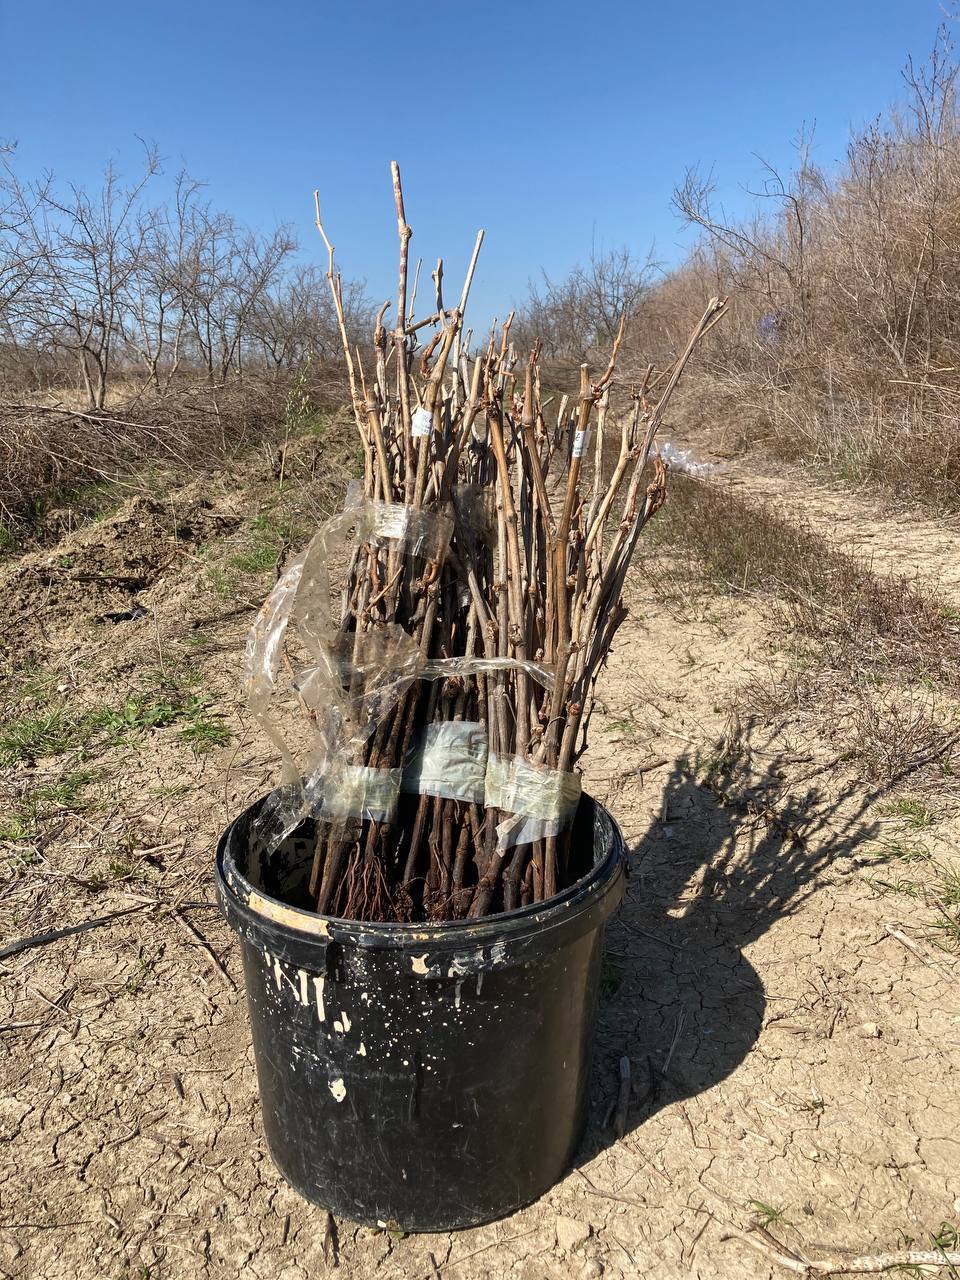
<point x="104" y="284"/>
<point x="841" y="344"/>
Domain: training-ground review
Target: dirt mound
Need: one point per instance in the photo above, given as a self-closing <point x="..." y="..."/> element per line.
<point x="107" y="568"/>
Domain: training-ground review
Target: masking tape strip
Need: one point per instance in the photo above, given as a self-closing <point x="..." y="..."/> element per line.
<point x="451" y="762"/>
<point x="541" y="802"/>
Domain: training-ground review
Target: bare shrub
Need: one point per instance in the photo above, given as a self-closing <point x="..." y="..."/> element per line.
<point x="895" y="733"/>
<point x="843" y="342"/>
<point x="577" y="318"/>
<point x="127" y="327"/>
<point x="45" y="453"/>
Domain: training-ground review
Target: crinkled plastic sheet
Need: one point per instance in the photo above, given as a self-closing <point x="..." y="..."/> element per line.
<point x="476" y="513"/>
<point x="419" y="532"/>
<point x="453" y="761"/>
<point x="439" y="668"/>
<point x="682" y="460"/>
<point x="351" y="680"/>
<point x="361" y="792"/>
<point x="262" y="657"/>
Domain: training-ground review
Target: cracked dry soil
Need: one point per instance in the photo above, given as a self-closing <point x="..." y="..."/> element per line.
<point x="787" y="1049"/>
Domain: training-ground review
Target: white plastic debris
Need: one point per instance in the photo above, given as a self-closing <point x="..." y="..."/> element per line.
<point x="680" y="460"/>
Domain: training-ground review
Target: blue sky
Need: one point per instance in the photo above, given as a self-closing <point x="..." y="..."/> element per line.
<point x="554" y="126"/>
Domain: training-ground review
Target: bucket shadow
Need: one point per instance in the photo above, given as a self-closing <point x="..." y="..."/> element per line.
<point x="730" y="855"/>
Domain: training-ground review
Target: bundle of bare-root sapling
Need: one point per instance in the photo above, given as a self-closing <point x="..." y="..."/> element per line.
<point x="447" y="628"/>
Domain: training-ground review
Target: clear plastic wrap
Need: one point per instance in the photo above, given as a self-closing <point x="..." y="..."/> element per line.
<point x="355" y="791"/>
<point x="261" y="659"/>
<point x="346" y="680"/>
<point x="475" y="508"/>
<point x="682" y="460"/>
<point x="440" y="668"/>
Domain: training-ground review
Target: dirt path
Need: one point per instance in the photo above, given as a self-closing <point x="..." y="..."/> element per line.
<point x="903" y="543"/>
<point x="794" y="1060"/>
<point x="893" y="537"/>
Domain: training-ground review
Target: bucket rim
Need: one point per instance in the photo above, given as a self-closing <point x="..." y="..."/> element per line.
<point x="603" y="880"/>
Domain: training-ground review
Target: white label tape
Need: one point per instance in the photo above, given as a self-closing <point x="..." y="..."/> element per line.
<point x="391" y="520"/>
<point x="451" y="763"/>
<point x="540" y="802"/>
<point x="421" y="424"/>
<point x="359" y="792"/>
<point x="580" y="441"/>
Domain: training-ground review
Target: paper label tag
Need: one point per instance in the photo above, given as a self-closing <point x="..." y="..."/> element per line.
<point x="391" y="520"/>
<point x="421" y="424"/>
<point x="580" y="442"/>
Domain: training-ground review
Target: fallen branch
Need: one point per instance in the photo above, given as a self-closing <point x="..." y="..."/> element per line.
<point x="912" y="947"/>
<point x="54" y="935"/>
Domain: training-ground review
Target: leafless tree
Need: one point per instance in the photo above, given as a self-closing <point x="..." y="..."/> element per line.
<point x="226" y="275"/>
<point x="578" y="315"/>
<point x="85" y="248"/>
<point x="296" y="319"/>
<point x="155" y="316"/>
<point x="19" y="260"/>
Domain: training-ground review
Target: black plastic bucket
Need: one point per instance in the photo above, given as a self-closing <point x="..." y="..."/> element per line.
<point x="425" y="1076"/>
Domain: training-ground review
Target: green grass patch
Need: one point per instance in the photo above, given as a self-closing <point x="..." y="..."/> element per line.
<point x="223" y="583"/>
<point x="204" y="731"/>
<point x="94" y="500"/>
<point x="46" y="733"/>
<point x="945" y="934"/>
<point x="136" y="714"/>
<point x="913" y="812"/>
<point x="258" y="559"/>
<point x="901" y="851"/>
<point x="200" y="728"/>
<point x="950" y="888"/>
<point x="766" y="1214"/>
<point x="270" y="533"/>
<point x="43" y="804"/>
<point x="899" y="884"/>
<point x="621" y="725"/>
<point x="34" y="683"/>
